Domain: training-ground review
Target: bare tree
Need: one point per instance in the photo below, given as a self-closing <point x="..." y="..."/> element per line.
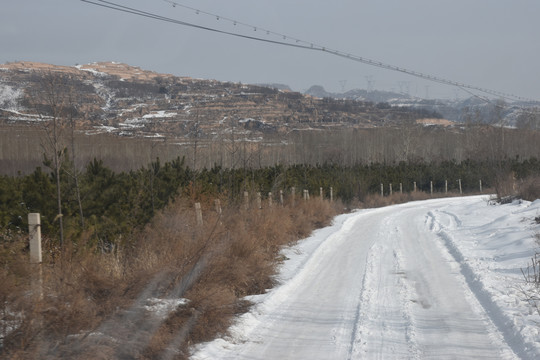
<point x="52" y="103"/>
<point x="73" y="111"/>
<point x="154" y="169"/>
<point x="196" y="133"/>
<point x="529" y="119"/>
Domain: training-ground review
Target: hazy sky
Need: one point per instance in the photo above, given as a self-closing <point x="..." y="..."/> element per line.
<point x="492" y="44"/>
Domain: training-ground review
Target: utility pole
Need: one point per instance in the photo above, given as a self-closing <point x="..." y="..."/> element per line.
<point x="343" y="83"/>
<point x="370" y="81"/>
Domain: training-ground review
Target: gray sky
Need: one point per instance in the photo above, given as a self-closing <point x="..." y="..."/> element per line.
<point x="492" y="44"/>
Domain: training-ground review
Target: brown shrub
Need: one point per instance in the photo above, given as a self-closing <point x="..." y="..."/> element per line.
<point x="529" y="189"/>
<point x="91" y="299"/>
<point x="505" y="186"/>
<point x="376" y="200"/>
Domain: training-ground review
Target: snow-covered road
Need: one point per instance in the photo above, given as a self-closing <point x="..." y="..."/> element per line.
<point x="411" y="281"/>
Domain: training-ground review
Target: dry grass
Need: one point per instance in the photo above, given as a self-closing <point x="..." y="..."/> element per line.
<point x="507" y="188"/>
<point x="376" y="200"/>
<point x="529" y="188"/>
<point x="92" y="303"/>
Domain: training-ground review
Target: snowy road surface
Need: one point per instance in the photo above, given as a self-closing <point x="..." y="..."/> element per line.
<point x="425" y="280"/>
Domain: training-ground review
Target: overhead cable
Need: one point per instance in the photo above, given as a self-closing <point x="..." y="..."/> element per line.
<point x="296" y="43"/>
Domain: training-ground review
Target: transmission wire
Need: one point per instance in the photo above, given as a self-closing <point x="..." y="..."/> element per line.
<point x="302" y="44"/>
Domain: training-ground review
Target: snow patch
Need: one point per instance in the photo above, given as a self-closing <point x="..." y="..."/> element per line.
<point x="160" y="114"/>
<point x="95" y="72"/>
<point x="104" y="128"/>
<point x="163" y="307"/>
<point x="9" y="97"/>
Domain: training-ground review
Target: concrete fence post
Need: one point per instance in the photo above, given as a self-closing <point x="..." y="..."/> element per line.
<point x="414" y="186"/>
<point x="281" y="197"/>
<point x="390" y="189"/>
<point x="321" y="193"/>
<point x="460" y="190"/>
<point x="331" y="193"/>
<point x="400" y="188"/>
<point x="480" y="183"/>
<point x="217" y="204"/>
<point x="34" y="230"/>
<point x="431" y="188"/>
<point x="198" y="214"/>
<point x="382" y="190"/>
<point x="446" y="186"/>
<point x="259" y="201"/>
<point x="270" y="199"/>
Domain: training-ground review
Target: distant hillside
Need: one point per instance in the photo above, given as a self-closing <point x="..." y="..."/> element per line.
<point x="357" y="94"/>
<point x="469" y="110"/>
<point x="129" y="101"/>
<point x="128" y="117"/>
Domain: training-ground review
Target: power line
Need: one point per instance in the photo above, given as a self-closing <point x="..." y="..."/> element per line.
<point x="296" y="43"/>
<point x="129" y="10"/>
<point x="354" y="57"/>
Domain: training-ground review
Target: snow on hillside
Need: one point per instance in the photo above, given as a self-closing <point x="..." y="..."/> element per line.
<point x="432" y="279"/>
<point x="160" y="114"/>
<point x="9" y="97"/>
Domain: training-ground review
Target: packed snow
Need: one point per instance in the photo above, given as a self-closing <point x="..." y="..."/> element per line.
<point x="431" y="279"/>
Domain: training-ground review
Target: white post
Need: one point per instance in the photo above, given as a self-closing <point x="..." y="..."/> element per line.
<point x="281" y="197"/>
<point x="460" y="190"/>
<point x="446" y="186"/>
<point x="321" y="193"/>
<point x="331" y="193"/>
<point x="390" y="189"/>
<point x="480" y="182"/>
<point x="414" y="186"/>
<point x="259" y="202"/>
<point x="198" y="213"/>
<point x="400" y="188"/>
<point x="382" y="190"/>
<point x="217" y="203"/>
<point x="270" y="199"/>
<point x="431" y="187"/>
<point x="34" y="229"/>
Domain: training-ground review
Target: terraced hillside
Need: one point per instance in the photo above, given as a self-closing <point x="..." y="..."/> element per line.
<point x="129" y="101"/>
<point x="129" y="117"/>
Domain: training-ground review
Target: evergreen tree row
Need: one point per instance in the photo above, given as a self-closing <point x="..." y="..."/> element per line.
<point x="113" y="204"/>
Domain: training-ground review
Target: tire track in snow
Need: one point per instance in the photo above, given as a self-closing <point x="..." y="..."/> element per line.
<point x="415" y="306"/>
<point x="356" y="333"/>
<point x="502" y="322"/>
<point x="381" y="285"/>
<point x="385" y="326"/>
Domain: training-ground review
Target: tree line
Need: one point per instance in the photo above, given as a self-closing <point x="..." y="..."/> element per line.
<point x="111" y="204"/>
